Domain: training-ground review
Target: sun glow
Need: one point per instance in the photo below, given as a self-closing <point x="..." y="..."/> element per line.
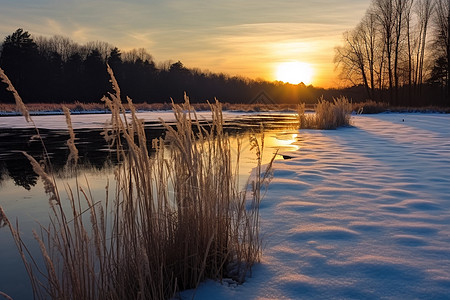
<point x="295" y="72"/>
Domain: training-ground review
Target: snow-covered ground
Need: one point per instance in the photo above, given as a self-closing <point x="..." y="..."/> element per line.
<point x="358" y="213"/>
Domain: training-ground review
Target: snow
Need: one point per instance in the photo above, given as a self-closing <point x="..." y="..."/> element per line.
<point x="358" y="213"/>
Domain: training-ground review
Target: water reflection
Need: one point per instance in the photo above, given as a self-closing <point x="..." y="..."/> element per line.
<point x="93" y="149"/>
<point x="15" y="165"/>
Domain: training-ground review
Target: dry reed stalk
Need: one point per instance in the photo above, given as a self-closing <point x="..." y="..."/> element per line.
<point x="73" y="151"/>
<point x="30" y="266"/>
<point x="5" y="296"/>
<point x="301" y="115"/>
<point x="2" y="219"/>
<point x="48" y="180"/>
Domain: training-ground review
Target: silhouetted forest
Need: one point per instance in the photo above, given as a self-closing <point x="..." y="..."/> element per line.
<point x="59" y="70"/>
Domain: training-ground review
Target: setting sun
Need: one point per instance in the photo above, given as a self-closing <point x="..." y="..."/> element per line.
<point x="294" y="72"/>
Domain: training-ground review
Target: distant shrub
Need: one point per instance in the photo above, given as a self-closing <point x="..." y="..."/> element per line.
<point x="370" y="107"/>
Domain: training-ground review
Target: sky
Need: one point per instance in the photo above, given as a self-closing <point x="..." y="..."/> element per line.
<point x="237" y="37"/>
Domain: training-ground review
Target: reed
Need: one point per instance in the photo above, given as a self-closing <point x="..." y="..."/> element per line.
<point x="328" y="115"/>
<point x="172" y="217"/>
<point x="4" y="295"/>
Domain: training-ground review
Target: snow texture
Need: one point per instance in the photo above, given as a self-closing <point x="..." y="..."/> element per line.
<point x="358" y="213"/>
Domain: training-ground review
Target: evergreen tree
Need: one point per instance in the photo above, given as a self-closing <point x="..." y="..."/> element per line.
<point x="20" y="61"/>
<point x="96" y="81"/>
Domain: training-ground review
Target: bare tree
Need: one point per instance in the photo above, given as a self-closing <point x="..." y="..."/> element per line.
<point x="408" y="18"/>
<point x="357" y="57"/>
<point x="389" y="49"/>
<point x="362" y="57"/>
<point x="64" y="46"/>
<point x="392" y="16"/>
<point x="103" y="47"/>
<point x="385" y="12"/>
<point x="373" y="48"/>
<point x="400" y="9"/>
<point x="137" y="54"/>
<point x="424" y="11"/>
<point x="351" y="59"/>
<point x="441" y="38"/>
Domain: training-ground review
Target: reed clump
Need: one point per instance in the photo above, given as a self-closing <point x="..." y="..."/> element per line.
<point x="328" y="115"/>
<point x="171" y="218"/>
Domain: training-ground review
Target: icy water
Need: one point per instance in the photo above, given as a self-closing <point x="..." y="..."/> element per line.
<point x="22" y="193"/>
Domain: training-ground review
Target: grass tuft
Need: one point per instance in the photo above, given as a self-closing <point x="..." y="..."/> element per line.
<point x="328" y="115"/>
<point x="370" y="107"/>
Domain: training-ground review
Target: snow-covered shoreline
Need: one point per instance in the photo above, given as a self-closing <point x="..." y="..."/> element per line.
<point x="358" y="213"/>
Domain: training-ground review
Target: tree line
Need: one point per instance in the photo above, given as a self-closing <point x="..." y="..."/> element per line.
<point x="388" y="57"/>
<point x="399" y="52"/>
<point x="56" y="69"/>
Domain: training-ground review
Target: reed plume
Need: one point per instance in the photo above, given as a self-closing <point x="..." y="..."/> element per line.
<point x="73" y="151"/>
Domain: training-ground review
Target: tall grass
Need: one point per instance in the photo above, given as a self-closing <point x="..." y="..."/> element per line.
<point x="170" y="219"/>
<point x="328" y="115"/>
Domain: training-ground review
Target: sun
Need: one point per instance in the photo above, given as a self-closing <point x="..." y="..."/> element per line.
<point x="295" y="72"/>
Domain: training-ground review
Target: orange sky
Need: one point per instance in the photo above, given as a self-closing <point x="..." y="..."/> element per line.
<point x="245" y="38"/>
